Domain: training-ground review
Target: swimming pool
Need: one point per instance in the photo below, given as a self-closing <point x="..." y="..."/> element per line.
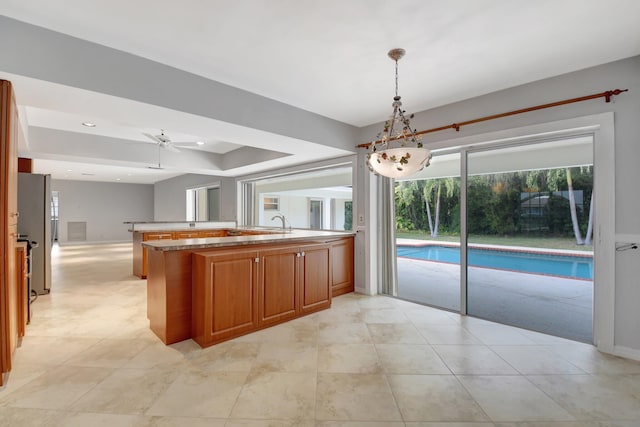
<point x="578" y="267"/>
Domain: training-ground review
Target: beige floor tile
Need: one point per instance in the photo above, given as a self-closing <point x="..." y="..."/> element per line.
<point x="430" y="316"/>
<point x="277" y="395"/>
<point x="348" y="358"/>
<point x="108" y="353"/>
<point x="339" y="315"/>
<point x="589" y="359"/>
<point x="20" y="374"/>
<point x="376" y="301"/>
<point x="228" y="356"/>
<point x="535" y="360"/>
<point x="495" y="334"/>
<point x="126" y="391"/>
<point x="30" y="417"/>
<point x="593" y="397"/>
<point x="304" y="331"/>
<point x="354" y="333"/>
<point x="570" y="424"/>
<point x="434" y="398"/>
<point x="185" y="422"/>
<point x="355" y="397"/>
<point x="57" y="388"/>
<point x="199" y="394"/>
<point x="287" y="357"/>
<point x="359" y="424"/>
<point x="447" y="424"/>
<point x="513" y="398"/>
<point x="395" y="333"/>
<point x="159" y="355"/>
<point x="473" y="360"/>
<point x="447" y="334"/>
<point x="83" y="419"/>
<point x="383" y="315"/>
<point x="410" y="359"/>
<point x="37" y="350"/>
<point x="270" y="423"/>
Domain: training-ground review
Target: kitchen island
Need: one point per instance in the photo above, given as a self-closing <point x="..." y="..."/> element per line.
<point x="214" y="289"/>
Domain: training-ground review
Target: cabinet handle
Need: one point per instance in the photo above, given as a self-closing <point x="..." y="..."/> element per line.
<point x="302" y="253"/>
<point x="298" y="255"/>
<point x="256" y="259"/>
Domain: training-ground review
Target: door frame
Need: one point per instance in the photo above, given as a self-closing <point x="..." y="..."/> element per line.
<point x="601" y="128"/>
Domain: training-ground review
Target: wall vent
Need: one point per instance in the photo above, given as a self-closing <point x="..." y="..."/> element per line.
<point x="77" y="231"/>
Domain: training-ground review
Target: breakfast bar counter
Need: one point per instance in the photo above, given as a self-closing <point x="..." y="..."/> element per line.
<point x="214" y="289"/>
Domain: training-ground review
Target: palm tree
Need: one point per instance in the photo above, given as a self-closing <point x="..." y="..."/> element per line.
<point x="436" y="185"/>
<point x="572" y="205"/>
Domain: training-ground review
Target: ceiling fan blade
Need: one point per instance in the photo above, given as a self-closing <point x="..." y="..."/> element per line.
<point x="153" y="138"/>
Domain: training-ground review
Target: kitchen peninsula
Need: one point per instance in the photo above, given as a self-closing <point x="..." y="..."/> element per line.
<point x="217" y="288"/>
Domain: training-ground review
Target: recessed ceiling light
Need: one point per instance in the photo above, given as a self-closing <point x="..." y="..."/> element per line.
<point x="69" y="170"/>
<point x="199" y="143"/>
<point x="89" y="124"/>
<point x="117" y="179"/>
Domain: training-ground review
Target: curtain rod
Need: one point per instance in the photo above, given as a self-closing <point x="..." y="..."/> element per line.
<point x="606" y="95"/>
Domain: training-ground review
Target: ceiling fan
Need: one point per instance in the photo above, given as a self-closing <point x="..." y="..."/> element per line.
<point x="163" y="141"/>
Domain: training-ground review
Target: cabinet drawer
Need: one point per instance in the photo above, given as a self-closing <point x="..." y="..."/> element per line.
<point x="212" y="233"/>
<point x="177" y="235"/>
<point x="157" y="236"/>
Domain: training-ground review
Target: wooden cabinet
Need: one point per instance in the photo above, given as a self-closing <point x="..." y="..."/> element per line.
<point x="9" y="128"/>
<point x="225" y="299"/>
<point x="211" y="295"/>
<point x="342" y="266"/>
<point x="212" y="233"/>
<point x="315" y="275"/>
<point x="237" y="292"/>
<point x="22" y="288"/>
<point x="278" y="294"/>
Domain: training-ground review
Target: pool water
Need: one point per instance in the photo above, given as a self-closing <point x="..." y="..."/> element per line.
<point x="577" y="267"/>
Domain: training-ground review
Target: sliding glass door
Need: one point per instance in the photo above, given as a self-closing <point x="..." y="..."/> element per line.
<point x="428" y="234"/>
<point x="529" y="225"/>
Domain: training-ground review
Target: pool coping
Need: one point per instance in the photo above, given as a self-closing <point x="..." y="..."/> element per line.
<point x="525" y="249"/>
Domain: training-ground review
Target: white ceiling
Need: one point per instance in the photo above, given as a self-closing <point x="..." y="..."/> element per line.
<point x="327" y="57"/>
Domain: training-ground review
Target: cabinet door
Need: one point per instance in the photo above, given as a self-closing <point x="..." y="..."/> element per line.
<point x="315" y="272"/>
<point x="225" y="288"/>
<point x="278" y="285"/>
<point x="342" y="267"/>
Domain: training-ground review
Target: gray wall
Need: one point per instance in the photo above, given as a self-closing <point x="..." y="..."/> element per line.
<point x="170" y="196"/>
<point x="624" y="74"/>
<point x="104" y="206"/>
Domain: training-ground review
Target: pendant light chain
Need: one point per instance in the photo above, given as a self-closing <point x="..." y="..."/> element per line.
<point x="396" y="77"/>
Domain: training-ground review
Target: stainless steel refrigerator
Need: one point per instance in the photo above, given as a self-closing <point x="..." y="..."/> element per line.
<point x="34" y="224"/>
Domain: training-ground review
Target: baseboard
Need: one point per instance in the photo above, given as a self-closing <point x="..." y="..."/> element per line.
<point x="626" y="352"/>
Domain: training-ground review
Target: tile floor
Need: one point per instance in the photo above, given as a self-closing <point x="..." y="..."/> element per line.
<point x="89" y="359"/>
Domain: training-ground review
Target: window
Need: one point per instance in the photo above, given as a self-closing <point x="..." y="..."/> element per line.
<point x="271" y="203"/>
<point x="203" y="204"/>
<point x="309" y="199"/>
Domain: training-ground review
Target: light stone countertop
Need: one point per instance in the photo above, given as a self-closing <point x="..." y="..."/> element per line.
<point x="217" y="242"/>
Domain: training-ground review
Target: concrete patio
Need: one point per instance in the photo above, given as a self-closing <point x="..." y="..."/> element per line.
<point x="548" y="304"/>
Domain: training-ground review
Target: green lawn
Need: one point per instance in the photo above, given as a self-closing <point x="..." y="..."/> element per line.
<point x="532" y="242"/>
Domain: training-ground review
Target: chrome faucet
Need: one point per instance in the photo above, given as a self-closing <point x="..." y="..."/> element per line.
<point x="281" y="219"/>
